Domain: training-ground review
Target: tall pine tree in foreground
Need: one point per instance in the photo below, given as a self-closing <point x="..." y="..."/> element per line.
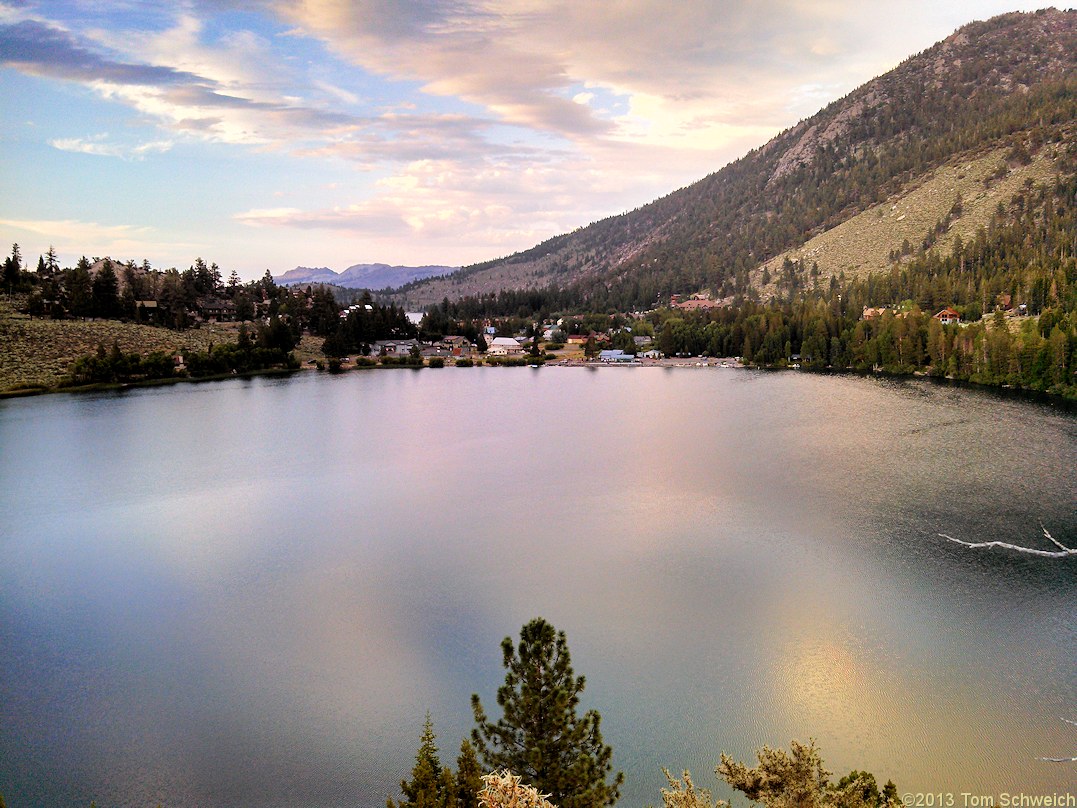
<point x="540" y="737"/>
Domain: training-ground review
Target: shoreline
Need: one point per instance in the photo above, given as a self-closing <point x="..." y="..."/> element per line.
<point x="727" y="363"/>
<point x="112" y="386"/>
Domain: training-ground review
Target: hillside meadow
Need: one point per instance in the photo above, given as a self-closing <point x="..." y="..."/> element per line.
<point x="37" y="353"/>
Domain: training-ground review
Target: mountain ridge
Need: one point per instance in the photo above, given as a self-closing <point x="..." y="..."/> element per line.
<point x="1005" y="83"/>
<point x="362" y="276"/>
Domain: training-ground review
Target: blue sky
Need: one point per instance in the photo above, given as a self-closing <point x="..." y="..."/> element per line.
<point x="265" y="134"/>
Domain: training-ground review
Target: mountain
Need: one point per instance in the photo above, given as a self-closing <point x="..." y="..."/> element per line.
<point x="362" y="276"/>
<point x="912" y="158"/>
<point x="301" y="275"/>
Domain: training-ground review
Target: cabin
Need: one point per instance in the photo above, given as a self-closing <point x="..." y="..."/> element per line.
<point x="458" y="346"/>
<point x="948" y="316"/>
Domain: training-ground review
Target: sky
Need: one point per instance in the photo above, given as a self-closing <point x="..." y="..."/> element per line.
<point x="266" y="134"/>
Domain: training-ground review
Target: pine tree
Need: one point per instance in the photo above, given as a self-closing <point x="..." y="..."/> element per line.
<point x="105" y="291"/>
<point x="52" y="263"/>
<point x="468" y="777"/>
<point x="430" y="786"/>
<point x="80" y="288"/>
<point x="12" y="267"/>
<point x="540" y="737"/>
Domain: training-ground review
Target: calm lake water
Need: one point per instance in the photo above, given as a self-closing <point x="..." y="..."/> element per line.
<point x="249" y="593"/>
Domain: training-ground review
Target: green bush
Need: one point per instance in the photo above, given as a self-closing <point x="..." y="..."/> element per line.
<point x="436" y="362"/>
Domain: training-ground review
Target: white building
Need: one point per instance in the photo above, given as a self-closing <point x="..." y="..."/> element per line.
<point x="504" y="346"/>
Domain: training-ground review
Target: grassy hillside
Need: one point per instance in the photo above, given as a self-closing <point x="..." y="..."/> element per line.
<point x="38" y="352"/>
<point x="866" y="242"/>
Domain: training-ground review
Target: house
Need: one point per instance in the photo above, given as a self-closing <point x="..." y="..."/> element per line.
<point x="577" y="339"/>
<point x="504" y="346"/>
<point x="615" y="357"/>
<point x="871" y="313"/>
<point x="697" y="304"/>
<point x="357" y="307"/>
<point x="393" y="347"/>
<point x="651" y="354"/>
<point x="458" y="346"/>
<point x="948" y="316"/>
<point x="431" y="349"/>
<point x="213" y="308"/>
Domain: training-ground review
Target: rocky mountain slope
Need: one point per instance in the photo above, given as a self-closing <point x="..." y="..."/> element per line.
<point x="968" y="121"/>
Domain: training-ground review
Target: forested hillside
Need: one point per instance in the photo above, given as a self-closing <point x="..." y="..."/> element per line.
<point x="1007" y="83"/>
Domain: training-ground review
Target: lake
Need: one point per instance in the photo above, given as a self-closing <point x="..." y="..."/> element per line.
<point x="250" y="593"/>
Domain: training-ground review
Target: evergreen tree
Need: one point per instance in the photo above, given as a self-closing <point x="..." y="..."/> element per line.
<point x="12" y="267"/>
<point x="799" y="778"/>
<point x="52" y="263"/>
<point x="80" y="288"/>
<point x="244" y="306"/>
<point x="540" y="737"/>
<point x="106" y="291"/>
<point x="468" y="777"/>
<point x="430" y="786"/>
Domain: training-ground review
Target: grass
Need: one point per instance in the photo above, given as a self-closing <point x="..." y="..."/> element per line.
<point x="35" y="354"/>
<point x="862" y="244"/>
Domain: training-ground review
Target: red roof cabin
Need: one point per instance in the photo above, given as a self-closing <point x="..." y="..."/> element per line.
<point x="948" y="316"/>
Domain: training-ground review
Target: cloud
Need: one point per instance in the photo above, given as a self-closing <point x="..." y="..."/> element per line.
<point x="465" y="211"/>
<point x="694" y="74"/>
<point x="226" y="108"/>
<point x="458" y="49"/>
<point x="233" y="89"/>
<point x="39" y="49"/>
<point x="98" y="146"/>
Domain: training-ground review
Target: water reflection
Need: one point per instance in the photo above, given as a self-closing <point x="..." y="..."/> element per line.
<point x="250" y="593"/>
